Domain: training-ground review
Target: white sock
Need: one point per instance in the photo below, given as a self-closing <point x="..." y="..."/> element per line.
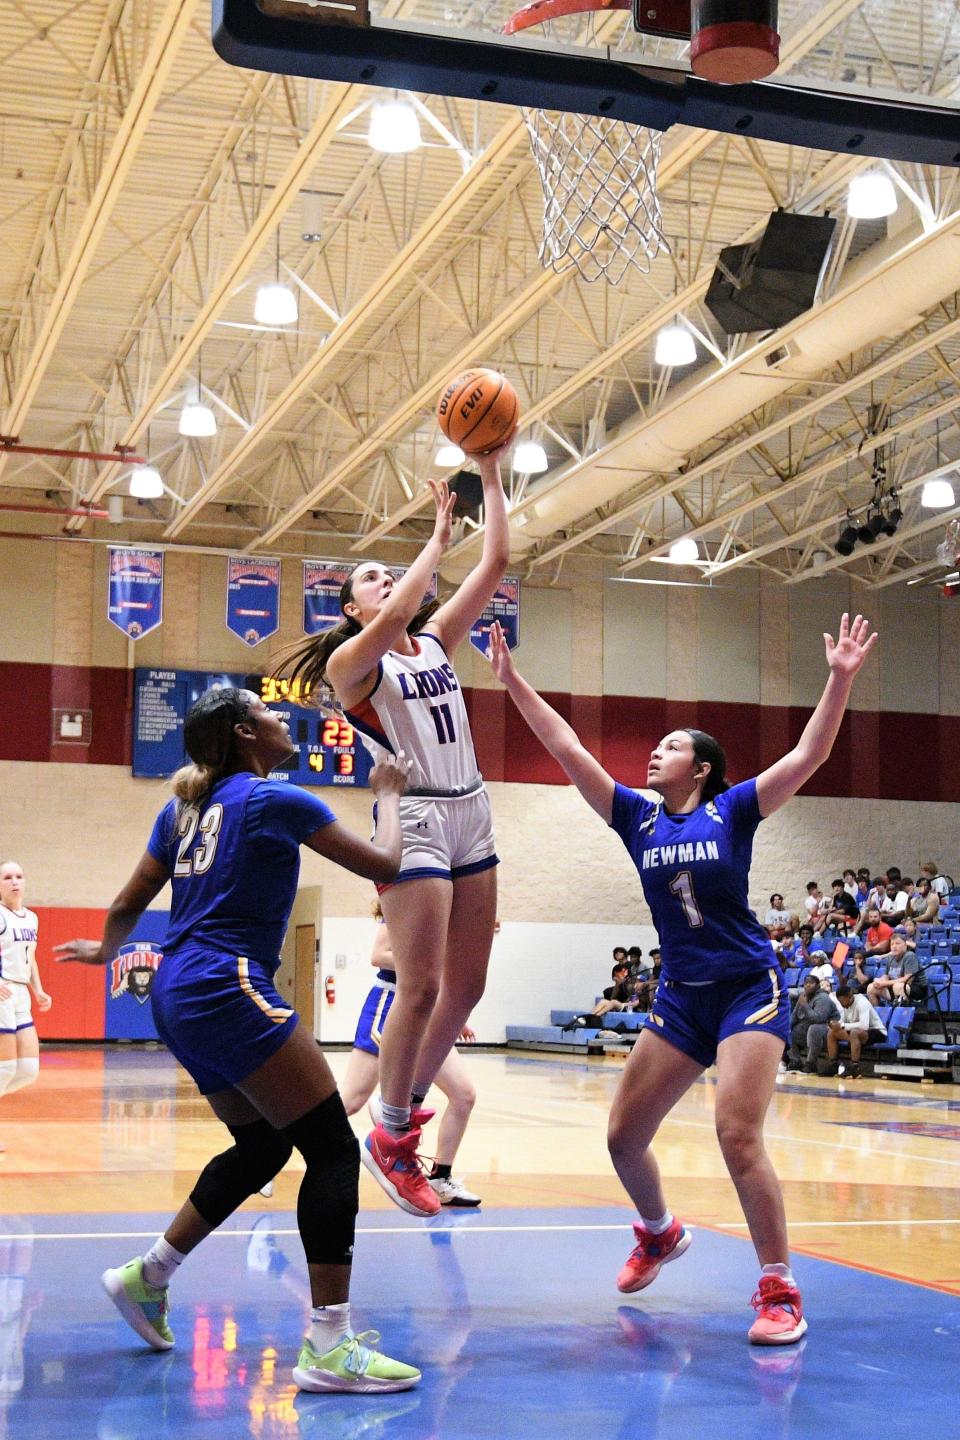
<point x="328" y="1324"/>
<point x="782" y="1272"/>
<point x="8" y="1073"/>
<point x="395" y="1119"/>
<point x="657" y="1227"/>
<point x="28" y="1068"/>
<point x="160" y="1263"/>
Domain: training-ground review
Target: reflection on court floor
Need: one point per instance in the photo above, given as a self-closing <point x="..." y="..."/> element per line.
<point x="512" y="1310"/>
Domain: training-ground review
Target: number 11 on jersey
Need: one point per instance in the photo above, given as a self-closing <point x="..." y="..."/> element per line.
<point x="682" y="886"/>
<point x="443" y="721"/>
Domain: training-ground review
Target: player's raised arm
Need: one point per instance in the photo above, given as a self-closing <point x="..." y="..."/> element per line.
<point x="381" y="608"/>
<point x="845" y="656"/>
<point x="453" y="621"/>
<point x="586" y="772"/>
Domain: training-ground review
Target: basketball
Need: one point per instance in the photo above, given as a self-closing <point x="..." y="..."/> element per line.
<point x="478" y="410"/>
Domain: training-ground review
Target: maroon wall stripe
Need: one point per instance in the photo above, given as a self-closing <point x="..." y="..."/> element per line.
<point x="887" y="755"/>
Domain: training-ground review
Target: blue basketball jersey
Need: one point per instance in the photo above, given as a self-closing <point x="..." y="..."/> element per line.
<point x="234" y="862"/>
<point x="694" y="871"/>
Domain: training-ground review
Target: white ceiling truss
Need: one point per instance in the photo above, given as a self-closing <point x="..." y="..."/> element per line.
<point x="149" y="188"/>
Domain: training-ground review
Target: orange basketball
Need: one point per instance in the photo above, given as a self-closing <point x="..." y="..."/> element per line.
<point x="478" y="410"/>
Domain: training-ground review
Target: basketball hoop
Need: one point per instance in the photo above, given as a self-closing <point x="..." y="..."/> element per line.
<point x="601" y="214"/>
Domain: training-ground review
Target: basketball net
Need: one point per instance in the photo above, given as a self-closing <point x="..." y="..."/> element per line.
<point x="601" y="213"/>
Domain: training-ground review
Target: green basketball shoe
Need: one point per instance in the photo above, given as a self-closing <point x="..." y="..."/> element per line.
<point x="353" y="1365"/>
<point x="144" y="1307"/>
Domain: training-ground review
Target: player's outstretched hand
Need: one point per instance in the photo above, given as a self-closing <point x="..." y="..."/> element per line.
<point x="467" y="1036"/>
<point x="84" y="952"/>
<point x="390" y="776"/>
<point x="847" y="653"/>
<point x="444" y="498"/>
<point x="498" y="653"/>
<point x="491" y="458"/>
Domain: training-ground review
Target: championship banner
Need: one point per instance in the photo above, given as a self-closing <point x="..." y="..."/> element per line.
<point x="505" y="607"/>
<point x="253" y="598"/>
<point x="322" y="582"/>
<point x="135" y="590"/>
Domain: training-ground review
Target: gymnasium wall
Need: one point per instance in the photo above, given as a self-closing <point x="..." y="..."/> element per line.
<point x="624" y="663"/>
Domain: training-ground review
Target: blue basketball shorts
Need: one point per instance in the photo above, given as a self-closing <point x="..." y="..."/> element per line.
<point x="374" y="1014"/>
<point x="697" y="1018"/>
<point x="219" y="1015"/>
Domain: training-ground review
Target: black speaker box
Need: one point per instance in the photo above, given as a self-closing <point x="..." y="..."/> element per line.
<point x="775" y="278"/>
<point x="469" y="488"/>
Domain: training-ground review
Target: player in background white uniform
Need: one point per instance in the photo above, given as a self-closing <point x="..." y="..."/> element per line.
<point x="388" y="662"/>
<point x="363" y="1073"/>
<point x="19" y="976"/>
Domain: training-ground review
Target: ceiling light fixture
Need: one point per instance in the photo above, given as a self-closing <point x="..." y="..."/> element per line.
<point x="197" y="420"/>
<point x="145" y="483"/>
<point x="530" y="458"/>
<point x="275" y="304"/>
<point x="871" y="196"/>
<point x="394" y="127"/>
<point x="674" y="346"/>
<point x="684" y="551"/>
<point x="448" y="456"/>
<point x="937" y="494"/>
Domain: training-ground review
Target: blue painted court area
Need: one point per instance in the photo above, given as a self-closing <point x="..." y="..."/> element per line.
<point x="512" y="1315"/>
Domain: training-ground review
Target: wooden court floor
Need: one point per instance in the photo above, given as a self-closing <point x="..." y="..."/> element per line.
<point x="871" y="1170"/>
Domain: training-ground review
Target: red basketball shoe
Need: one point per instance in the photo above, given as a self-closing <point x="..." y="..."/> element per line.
<point x="779" y="1313"/>
<point x="397" y="1168"/>
<point x="649" y="1253"/>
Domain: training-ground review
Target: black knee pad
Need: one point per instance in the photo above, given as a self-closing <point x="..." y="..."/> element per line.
<point x="259" y="1153"/>
<point x="329" y="1194"/>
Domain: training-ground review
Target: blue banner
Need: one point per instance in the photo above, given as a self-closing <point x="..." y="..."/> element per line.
<point x="505" y="607"/>
<point x="322" y="580"/>
<point x="253" y="598"/>
<point x="135" y="590"/>
<point x="129" y="979"/>
<point x="322" y="583"/>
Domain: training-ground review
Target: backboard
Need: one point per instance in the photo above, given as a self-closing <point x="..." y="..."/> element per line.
<point x="874" y="78"/>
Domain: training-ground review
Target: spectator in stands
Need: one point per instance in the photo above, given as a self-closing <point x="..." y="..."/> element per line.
<point x="927" y="909"/>
<point x="878" y="896"/>
<point x="635" y="961"/>
<point x="777" y="917"/>
<point x="876" y="934"/>
<point x="892" y="987"/>
<point x="843" y="909"/>
<point x="899" y="900"/>
<point x="908" y="929"/>
<point x="619" y="955"/>
<point x="650" y="979"/>
<point x="798" y="950"/>
<point x="850" y="885"/>
<point x="618" y="995"/>
<point x="938" y="882"/>
<point x="823" y="971"/>
<point x="813" y="1006"/>
<point x="813" y="903"/>
<point x="857" y="1023"/>
<point x="863" y="887"/>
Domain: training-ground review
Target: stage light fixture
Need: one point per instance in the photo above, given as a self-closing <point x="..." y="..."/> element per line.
<point x="846" y="540"/>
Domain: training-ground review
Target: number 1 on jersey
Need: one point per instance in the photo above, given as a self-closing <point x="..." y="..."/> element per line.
<point x="682" y="886"/>
<point x="443" y="721"/>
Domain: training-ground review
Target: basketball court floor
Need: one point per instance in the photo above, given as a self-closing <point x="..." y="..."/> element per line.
<point x="511" y="1310"/>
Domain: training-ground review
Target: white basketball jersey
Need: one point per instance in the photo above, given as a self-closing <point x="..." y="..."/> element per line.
<point x="18" y="942"/>
<point x="417" y="707"/>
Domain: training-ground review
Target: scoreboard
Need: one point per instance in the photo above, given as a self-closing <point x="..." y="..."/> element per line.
<point x="329" y="752"/>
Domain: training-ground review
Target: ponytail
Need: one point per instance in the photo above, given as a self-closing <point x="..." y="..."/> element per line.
<point x="306" y="661"/>
<point x="191" y="782"/>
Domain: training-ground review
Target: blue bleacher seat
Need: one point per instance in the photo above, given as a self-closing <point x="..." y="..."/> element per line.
<point x="791" y="976"/>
